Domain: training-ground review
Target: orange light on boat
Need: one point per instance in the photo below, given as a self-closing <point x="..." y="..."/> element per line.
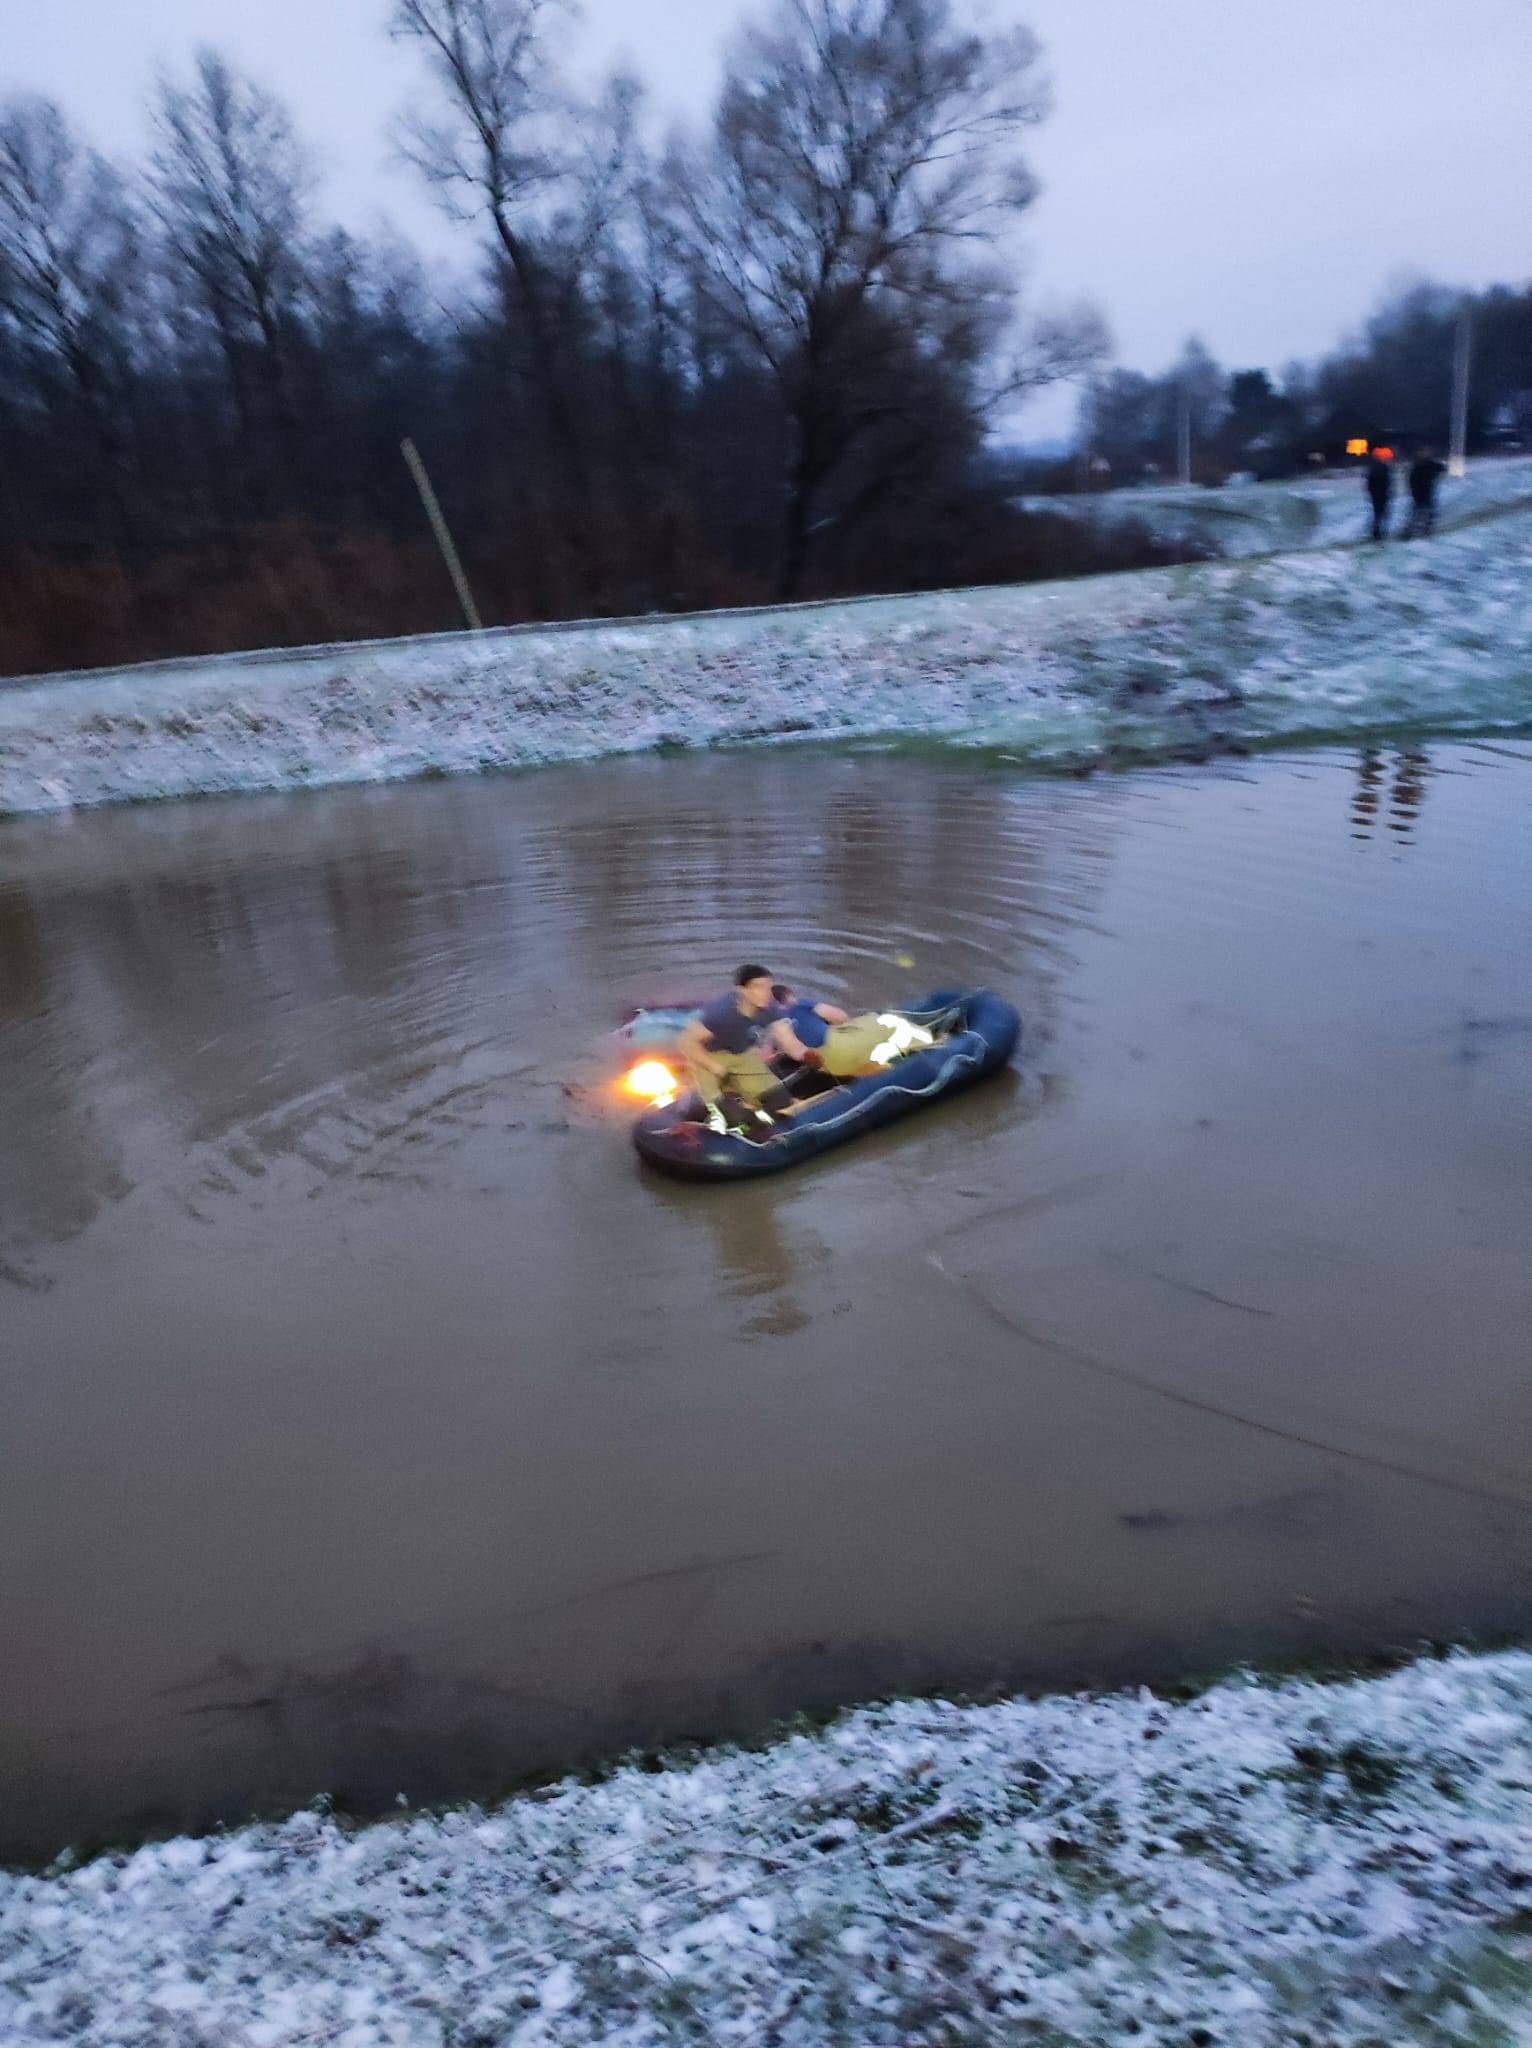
<point x="651" y="1081"/>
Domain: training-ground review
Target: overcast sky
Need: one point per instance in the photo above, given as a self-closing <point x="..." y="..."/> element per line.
<point x="1255" y="171"/>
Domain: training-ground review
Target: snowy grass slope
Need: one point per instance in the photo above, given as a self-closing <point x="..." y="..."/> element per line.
<point x="1331" y="642"/>
<point x="1305" y="512"/>
<point x="1343" y="1866"/>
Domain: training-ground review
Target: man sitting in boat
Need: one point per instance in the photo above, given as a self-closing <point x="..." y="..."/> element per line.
<point x="723" y="1045"/>
<point x="848" y="1046"/>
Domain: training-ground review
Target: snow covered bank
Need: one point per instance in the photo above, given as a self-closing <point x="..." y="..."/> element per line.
<point x="1334" y="1865"/>
<point x="1333" y="642"/>
<point x="1308" y="512"/>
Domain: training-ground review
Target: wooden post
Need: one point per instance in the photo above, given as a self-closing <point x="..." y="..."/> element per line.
<point x="428" y="498"/>
<point x="1462" y="343"/>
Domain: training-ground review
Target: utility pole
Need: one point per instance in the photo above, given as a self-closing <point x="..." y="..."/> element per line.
<point x="429" y="499"/>
<point x="1458" y="459"/>
<point x="1184" y="436"/>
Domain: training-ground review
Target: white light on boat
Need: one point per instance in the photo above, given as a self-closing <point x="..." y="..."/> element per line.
<point x="903" y="1037"/>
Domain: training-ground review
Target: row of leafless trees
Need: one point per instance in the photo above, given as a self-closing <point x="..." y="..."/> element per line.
<point x="757" y="360"/>
<point x="1391" y="382"/>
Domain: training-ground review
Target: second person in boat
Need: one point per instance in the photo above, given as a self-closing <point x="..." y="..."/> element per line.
<point x="847" y="1046"/>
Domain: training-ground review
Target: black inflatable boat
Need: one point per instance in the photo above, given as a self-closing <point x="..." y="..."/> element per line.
<point x="979" y="1034"/>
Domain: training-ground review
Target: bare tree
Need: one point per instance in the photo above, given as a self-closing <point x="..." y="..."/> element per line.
<point x="68" y="263"/>
<point x="231" y="187"/>
<point x="822" y="293"/>
<point x="865" y="159"/>
<point x="497" y="150"/>
<point x="1063" y="346"/>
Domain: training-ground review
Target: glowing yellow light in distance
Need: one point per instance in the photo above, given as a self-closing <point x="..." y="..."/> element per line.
<point x="651" y="1081"/>
<point x="1356" y="446"/>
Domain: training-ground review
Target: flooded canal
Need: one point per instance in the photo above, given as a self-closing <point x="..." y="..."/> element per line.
<point x="370" y="1423"/>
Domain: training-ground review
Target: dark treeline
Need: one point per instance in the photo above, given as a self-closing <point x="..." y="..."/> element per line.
<point x="1392" y="383"/>
<point x="760" y="361"/>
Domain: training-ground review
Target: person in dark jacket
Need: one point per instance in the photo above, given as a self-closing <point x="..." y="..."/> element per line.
<point x="1426" y="472"/>
<point x="1380" y="488"/>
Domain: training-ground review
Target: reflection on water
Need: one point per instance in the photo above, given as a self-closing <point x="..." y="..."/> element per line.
<point x="22" y="989"/>
<point x="381" y="1427"/>
<point x="746" y="1247"/>
<point x="1404" y="790"/>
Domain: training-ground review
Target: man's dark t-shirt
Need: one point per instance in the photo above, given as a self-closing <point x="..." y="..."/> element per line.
<point x="730" y="1030"/>
<point x="1425" y="475"/>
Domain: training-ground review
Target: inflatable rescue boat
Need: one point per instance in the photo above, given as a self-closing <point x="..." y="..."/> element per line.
<point x="975" y="1034"/>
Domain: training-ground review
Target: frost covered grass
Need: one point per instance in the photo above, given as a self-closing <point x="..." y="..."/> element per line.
<point x="1155" y="663"/>
<point x="1345" y="1865"/>
<point x="1307" y="512"/>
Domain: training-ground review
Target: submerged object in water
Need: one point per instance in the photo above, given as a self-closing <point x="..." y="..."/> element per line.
<point x="979" y="1033"/>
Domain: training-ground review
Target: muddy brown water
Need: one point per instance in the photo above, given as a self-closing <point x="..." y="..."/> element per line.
<point x="371" y="1423"/>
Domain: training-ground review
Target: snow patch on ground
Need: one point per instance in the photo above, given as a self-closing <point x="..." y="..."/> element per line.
<point x="1435" y="635"/>
<point x="1339" y="1865"/>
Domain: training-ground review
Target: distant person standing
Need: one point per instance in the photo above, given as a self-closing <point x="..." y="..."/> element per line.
<point x="1426" y="472"/>
<point x="1380" y="488"/>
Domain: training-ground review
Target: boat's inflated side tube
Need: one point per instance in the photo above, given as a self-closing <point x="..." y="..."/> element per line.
<point x="676" y="1139"/>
